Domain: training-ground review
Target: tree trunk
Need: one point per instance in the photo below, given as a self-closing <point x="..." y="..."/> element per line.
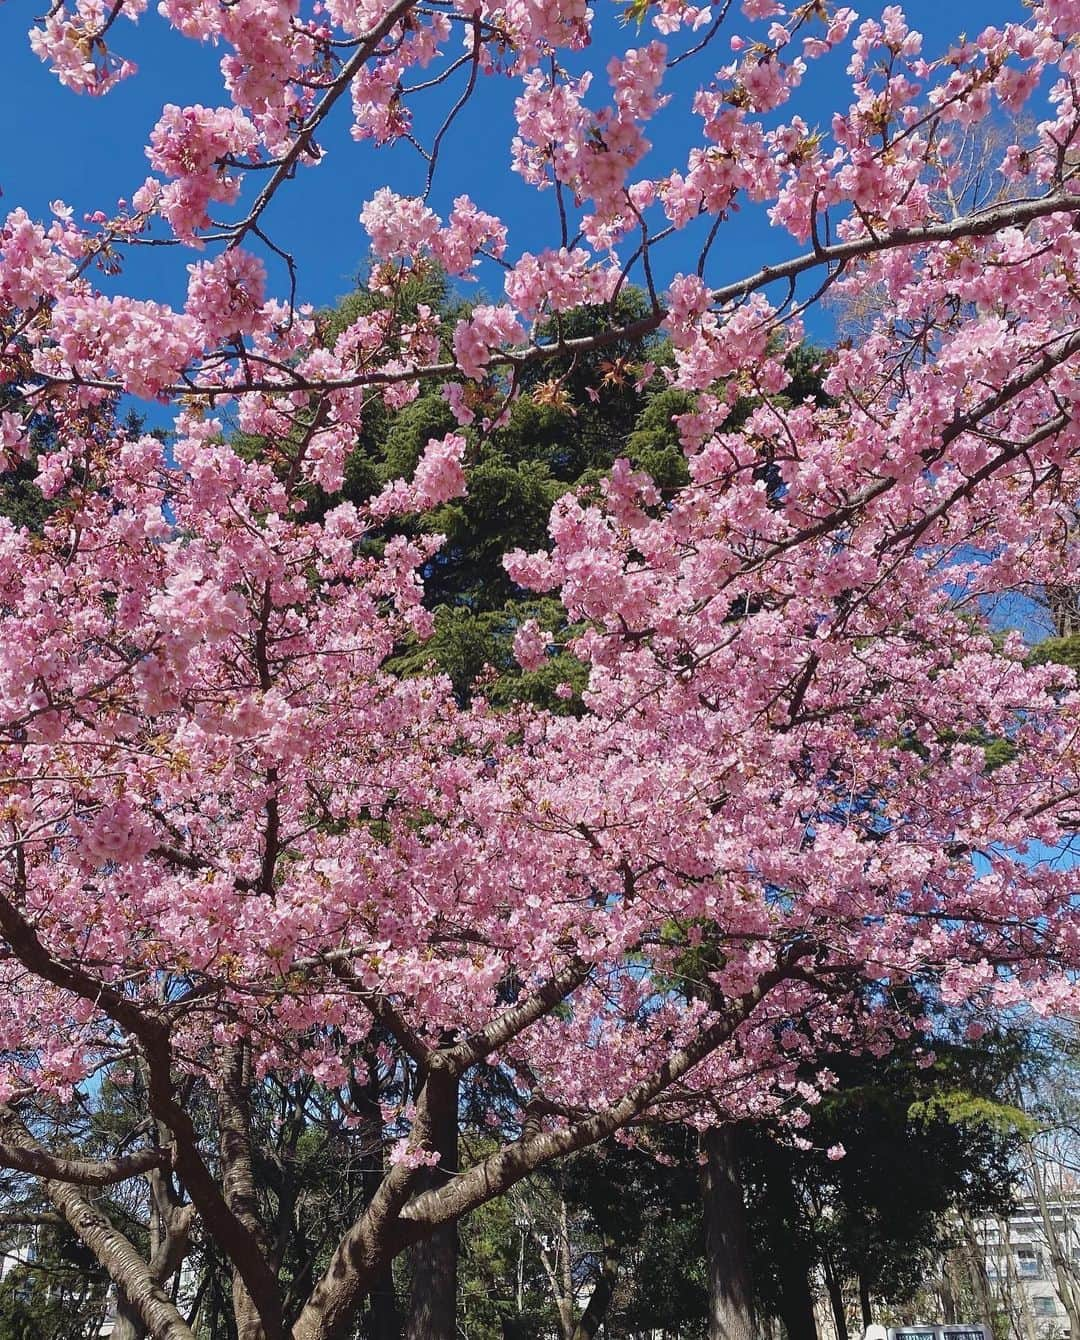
<point x="602" y="1294"/>
<point x="238" y="1172"/>
<point x="793" y="1271"/>
<point x="836" y="1301"/>
<point x="383" y="1318"/>
<point x="433" y="1299"/>
<point x="731" y="1300"/>
<point x="126" y="1268"/>
<point x="170" y="1228"/>
<point x="123" y="1264"/>
<point x="796" y="1302"/>
<point x="128" y="1325"/>
<point x="865" y="1307"/>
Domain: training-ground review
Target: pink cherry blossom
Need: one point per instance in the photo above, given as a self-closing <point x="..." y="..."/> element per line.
<point x="225" y="295"/>
<point x="530" y="645"/>
<point x="234" y="832"/>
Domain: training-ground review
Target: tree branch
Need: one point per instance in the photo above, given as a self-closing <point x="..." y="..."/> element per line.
<point x="38" y="1162"/>
<point x="125" y="1267"/>
<point x="368" y="43"/>
<point x="505" y="1027"/>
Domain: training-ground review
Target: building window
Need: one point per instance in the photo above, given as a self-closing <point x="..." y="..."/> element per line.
<point x="1028" y="1263"/>
<point x="1044" y="1305"/>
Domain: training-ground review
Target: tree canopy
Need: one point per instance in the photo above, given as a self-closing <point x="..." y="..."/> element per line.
<point x="272" y="881"/>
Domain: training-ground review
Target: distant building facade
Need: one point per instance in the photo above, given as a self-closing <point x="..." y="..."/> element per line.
<point x="1032" y="1268"/>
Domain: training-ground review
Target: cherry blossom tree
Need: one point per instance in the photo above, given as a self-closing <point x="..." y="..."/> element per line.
<point x="238" y="852"/>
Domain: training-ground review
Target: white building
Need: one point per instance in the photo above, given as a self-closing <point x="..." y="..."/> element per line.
<point x="1032" y="1265"/>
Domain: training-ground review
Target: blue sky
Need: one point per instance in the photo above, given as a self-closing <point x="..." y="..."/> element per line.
<point x="89" y="152"/>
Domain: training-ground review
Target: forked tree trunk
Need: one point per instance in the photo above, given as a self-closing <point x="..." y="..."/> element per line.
<point x="383" y="1315"/>
<point x="131" y="1275"/>
<point x="170" y="1228"/>
<point x="145" y="1296"/>
<point x="238" y="1176"/>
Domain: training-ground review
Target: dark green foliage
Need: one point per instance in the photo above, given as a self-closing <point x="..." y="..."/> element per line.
<point x="647" y="1201"/>
<point x="573" y="417"/>
<point x="474" y="649"/>
<point x="1060" y="650"/>
<point x="595" y="394"/>
<point x="21" y="501"/>
<point x="506" y="507"/>
<point x="408" y="432"/>
<point x="920" y="1144"/>
<point x="654" y="446"/>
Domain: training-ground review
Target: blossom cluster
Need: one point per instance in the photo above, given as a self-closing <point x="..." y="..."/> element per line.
<point x="212" y="773"/>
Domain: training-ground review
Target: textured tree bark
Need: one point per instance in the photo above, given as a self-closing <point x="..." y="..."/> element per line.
<point x="123" y="1264"/>
<point x="360" y="1259"/>
<point x="170" y="1226"/>
<point x="395" y="1218"/>
<point x="166" y="1257"/>
<point x="384" y="1316"/>
<point x="731" y="1299"/>
<point x="243" y="1246"/>
<point x="433" y="1300"/>
<point x="84" y="1172"/>
<point x="129" y="1325"/>
<point x="126" y="1268"/>
<point x="238" y="1172"/>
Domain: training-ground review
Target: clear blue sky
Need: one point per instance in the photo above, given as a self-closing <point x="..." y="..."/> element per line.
<point x="89" y="152"/>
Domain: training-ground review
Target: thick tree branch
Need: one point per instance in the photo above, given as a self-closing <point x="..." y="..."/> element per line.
<point x="502" y="1170"/>
<point x="507" y="1026"/>
<point x="238" y="1176"/>
<point x="392" y="1221"/>
<point x="383" y="1012"/>
<point x="981" y="223"/>
<point x="125" y="1267"/>
<point x="1060" y="351"/>
<point x="38" y="1162"/>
